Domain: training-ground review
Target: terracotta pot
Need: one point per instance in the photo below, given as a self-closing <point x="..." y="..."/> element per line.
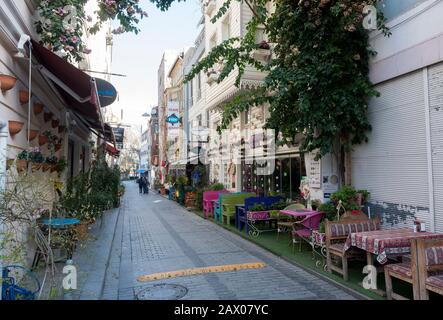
<point x="48" y="116"/>
<point x="349" y="215"/>
<point x="15" y="127"/>
<point x="9" y="163"/>
<point x="46" y="167"/>
<point x="42" y="140"/>
<point x="22" y="165"/>
<point x="57" y="147"/>
<point x="36" y="166"/>
<point x="32" y="134"/>
<point x="61" y="129"/>
<point x="55" y="123"/>
<point x="24" y="96"/>
<point x="82" y="230"/>
<point x="7" y="82"/>
<point x="38" y="108"/>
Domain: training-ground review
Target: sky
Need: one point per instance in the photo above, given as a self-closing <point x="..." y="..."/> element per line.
<point x="138" y="56"/>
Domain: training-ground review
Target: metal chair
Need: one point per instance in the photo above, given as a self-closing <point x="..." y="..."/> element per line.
<point x="285" y="224"/>
<point x="303" y="229"/>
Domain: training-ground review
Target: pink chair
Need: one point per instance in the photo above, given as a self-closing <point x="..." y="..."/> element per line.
<point x="303" y="229"/>
<point x="208" y="198"/>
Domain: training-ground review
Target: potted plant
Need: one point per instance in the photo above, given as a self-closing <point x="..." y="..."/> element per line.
<point x="264" y="45"/>
<point x="7" y="82"/>
<point x="61" y="165"/>
<point x="50" y="163"/>
<point x="351" y="200"/>
<point x="36" y="158"/>
<point x="258" y="212"/>
<point x="212" y="76"/>
<point x="22" y="161"/>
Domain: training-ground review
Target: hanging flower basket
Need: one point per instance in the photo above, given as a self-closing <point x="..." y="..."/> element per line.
<point x="38" y="108"/>
<point x="7" y="82"/>
<point x="15" y="127"/>
<point x="32" y="134"/>
<point x="48" y="116"/>
<point x="42" y="140"/>
<point x="24" y="96"/>
<point x="55" y="123"/>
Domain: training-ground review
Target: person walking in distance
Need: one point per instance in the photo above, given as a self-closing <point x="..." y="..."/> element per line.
<point x="145" y="185"/>
<point x="140" y="184"/>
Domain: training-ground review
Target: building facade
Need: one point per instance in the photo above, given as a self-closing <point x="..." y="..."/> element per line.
<point x="402" y="165"/>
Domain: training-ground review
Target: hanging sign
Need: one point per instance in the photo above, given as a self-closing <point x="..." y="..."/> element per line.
<point x="173" y="119"/>
<point x="107" y="93"/>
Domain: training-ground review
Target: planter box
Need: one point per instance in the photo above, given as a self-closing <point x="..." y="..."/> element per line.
<point x="258" y="215"/>
<point x="190" y="198"/>
<point x="262" y="54"/>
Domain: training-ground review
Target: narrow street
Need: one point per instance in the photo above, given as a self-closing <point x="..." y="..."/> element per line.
<point x="154" y="235"/>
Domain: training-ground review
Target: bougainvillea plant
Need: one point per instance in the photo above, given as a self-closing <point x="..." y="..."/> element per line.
<point x="317" y="82"/>
<point x="62" y="24"/>
<point x="127" y="12"/>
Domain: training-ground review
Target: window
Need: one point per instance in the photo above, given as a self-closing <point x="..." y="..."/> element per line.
<point x="246" y="117"/>
<point x="226" y="28"/>
<point x="393" y="8"/>
<point x="199" y="119"/>
<point x="207" y="118"/>
<point x="213" y="41"/>
<point x="199" y="86"/>
<point x="191" y="91"/>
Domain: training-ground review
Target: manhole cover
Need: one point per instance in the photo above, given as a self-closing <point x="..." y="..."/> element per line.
<point x="162" y="292"/>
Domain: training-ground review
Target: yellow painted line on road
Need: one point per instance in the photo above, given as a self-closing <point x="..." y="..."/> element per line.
<point x="197" y="271"/>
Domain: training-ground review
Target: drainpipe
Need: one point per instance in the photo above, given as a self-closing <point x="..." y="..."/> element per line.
<point x="3" y="158"/>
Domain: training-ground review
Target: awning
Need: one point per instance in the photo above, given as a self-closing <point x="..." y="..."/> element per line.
<point x="112" y="150"/>
<point x="77" y="88"/>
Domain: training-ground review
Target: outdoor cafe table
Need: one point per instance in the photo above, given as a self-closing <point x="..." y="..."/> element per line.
<point x="298" y="213"/>
<point x="385" y="243"/>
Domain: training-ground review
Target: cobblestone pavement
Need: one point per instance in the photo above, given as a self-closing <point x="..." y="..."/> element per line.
<point x="150" y="234"/>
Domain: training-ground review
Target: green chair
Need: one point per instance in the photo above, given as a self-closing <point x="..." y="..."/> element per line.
<point x="228" y="203"/>
<point x="285" y="222"/>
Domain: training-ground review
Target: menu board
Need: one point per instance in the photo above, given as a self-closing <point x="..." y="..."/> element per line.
<point x="314" y="172"/>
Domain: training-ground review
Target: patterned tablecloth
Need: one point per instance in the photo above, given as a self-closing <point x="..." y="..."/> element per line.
<point x="298" y="213"/>
<point x="383" y="243"/>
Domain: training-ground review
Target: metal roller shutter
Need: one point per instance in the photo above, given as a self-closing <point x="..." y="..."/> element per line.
<point x="393" y="164"/>
<point x="435" y="78"/>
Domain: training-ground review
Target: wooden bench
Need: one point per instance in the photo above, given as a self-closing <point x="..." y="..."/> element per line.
<point x="336" y="234"/>
<point x="228" y="202"/>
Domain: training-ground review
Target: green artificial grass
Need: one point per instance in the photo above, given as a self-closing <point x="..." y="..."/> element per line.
<point x="283" y="248"/>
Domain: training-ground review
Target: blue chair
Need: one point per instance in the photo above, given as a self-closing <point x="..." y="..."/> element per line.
<point x="11" y="290"/>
